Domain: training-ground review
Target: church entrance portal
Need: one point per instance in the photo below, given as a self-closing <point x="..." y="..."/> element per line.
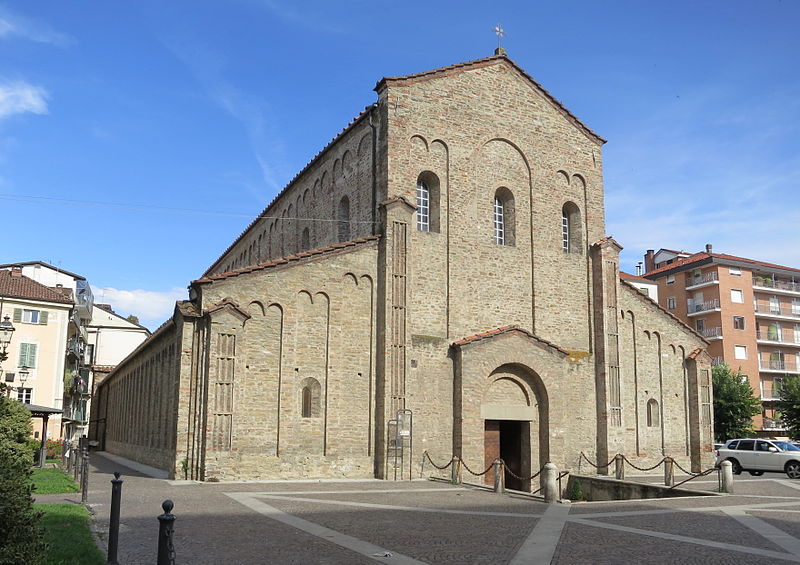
<point x="504" y="439"/>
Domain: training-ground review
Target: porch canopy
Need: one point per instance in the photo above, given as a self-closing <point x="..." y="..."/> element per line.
<point x="43" y="412"/>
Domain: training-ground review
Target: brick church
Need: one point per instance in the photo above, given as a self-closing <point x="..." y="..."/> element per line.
<point x="437" y="279"/>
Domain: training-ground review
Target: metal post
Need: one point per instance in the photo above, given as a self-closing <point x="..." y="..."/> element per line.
<point x="619" y="466"/>
<point x="75" y="461"/>
<point x="85" y="475"/>
<point x="454" y="470"/>
<point x="166" y="522"/>
<point x="499" y="476"/>
<point x="727" y="477"/>
<point x="550" y="487"/>
<point x="669" y="476"/>
<point x="113" y="530"/>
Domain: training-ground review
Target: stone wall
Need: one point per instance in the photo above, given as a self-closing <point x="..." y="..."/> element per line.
<point x="139" y="401"/>
<point x="308" y="324"/>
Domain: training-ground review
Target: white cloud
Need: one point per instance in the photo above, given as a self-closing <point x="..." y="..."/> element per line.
<point x="14" y="25"/>
<point x="151" y="307"/>
<point x="20" y="97"/>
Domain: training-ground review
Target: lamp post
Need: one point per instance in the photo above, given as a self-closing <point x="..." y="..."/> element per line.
<point x="6" y="333"/>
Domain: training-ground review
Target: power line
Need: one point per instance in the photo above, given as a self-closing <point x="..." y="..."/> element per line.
<point x="158" y="209"/>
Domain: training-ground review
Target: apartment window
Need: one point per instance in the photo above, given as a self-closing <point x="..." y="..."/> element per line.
<point x="735" y="271"/>
<point x="737" y="296"/>
<point x="700" y="324"/>
<point x="740" y="352"/>
<point x="645" y="291"/>
<point x="738" y="322"/>
<point x="671" y="279"/>
<point x="774" y="305"/>
<point x="671" y="304"/>
<point x="795" y="306"/>
<point x="26" y="316"/>
<point x="27" y="355"/>
<point x="24" y="395"/>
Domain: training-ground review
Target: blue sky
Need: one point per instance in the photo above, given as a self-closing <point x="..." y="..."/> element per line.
<point x="137" y="139"/>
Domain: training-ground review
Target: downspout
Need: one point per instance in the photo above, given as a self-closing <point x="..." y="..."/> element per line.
<point x="374" y="129"/>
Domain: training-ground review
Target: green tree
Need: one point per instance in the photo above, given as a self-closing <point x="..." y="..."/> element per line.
<point x="133" y="319"/>
<point x="20" y="534"/>
<point x="734" y="403"/>
<point x="789" y="404"/>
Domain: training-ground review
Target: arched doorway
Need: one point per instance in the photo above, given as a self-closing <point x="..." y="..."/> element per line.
<point x="514" y="410"/>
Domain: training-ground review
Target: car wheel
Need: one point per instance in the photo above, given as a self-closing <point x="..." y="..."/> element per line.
<point x="735" y="467"/>
<point x="756" y="473"/>
<point x="792" y="469"/>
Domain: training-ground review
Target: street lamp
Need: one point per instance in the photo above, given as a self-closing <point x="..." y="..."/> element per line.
<point x="6" y="332"/>
<point x="23" y="375"/>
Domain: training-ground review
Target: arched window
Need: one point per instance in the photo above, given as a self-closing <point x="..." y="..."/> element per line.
<point x="504" y="217"/>
<point x="571" y="232"/>
<point x="653" y="416"/>
<point x="305" y="240"/>
<point x="343" y="216"/>
<point x="310" y="398"/>
<point x="428" y="202"/>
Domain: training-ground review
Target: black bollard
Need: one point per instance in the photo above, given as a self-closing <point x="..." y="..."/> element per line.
<point x="84" y="475"/>
<point x="113" y="529"/>
<point x="166" y="551"/>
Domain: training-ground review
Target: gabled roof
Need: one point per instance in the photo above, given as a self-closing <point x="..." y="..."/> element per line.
<point x="336" y="247"/>
<point x="658" y="306"/>
<point x="43" y="264"/>
<point x="506" y="330"/>
<point x="20" y="286"/>
<point x="363" y="114"/>
<point x="693" y="260"/>
<point x="628" y="276"/>
<point x="230" y="305"/>
<point x="485" y="62"/>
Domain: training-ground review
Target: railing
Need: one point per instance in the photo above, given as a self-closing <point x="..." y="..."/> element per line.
<point x="791" y="311"/>
<point x="776" y="283"/>
<point x="772" y="335"/>
<point x="717" y="361"/>
<point x="771" y="424"/>
<point x="703" y="306"/>
<point x="711" y="332"/>
<point x="702" y="279"/>
<point x="773" y="391"/>
<point x="777" y="365"/>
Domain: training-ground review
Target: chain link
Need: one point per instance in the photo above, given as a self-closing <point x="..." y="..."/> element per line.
<point x="695" y="476"/>
<point x="513" y="474"/>
<point x="437" y="466"/>
<point x="471" y="472"/>
<point x="598" y="466"/>
<point x="684" y="470"/>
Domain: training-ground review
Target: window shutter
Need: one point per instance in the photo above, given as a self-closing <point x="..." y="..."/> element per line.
<point x="17" y="314"/>
<point x="32" y="347"/>
<point x="43" y="317"/>
<point x="23" y="355"/>
<point x="27" y="355"/>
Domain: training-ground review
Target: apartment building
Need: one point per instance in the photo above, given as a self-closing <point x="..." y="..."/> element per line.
<point x="748" y="310"/>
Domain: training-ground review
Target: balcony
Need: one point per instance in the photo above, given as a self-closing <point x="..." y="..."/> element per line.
<point x="770" y="391"/>
<point x="696" y="308"/>
<point x="701" y="281"/>
<point x="776" y="285"/>
<point x="773" y="337"/>
<point x="711" y="333"/>
<point x="773" y="425"/>
<point x="778" y="366"/>
<point x="75" y="347"/>
<point x="717" y="361"/>
<point x="778" y="312"/>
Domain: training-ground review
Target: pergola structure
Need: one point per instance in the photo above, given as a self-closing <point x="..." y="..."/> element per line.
<point x="43" y="412"/>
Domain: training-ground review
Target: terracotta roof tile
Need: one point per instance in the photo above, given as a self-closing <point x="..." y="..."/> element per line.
<point x="20" y="286"/>
<point x="288" y="259"/>
<point x="704" y="255"/>
<point x="505" y="330"/>
<point x="624" y="275"/>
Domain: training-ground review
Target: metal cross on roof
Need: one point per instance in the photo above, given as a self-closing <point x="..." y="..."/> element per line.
<point x="500" y="32"/>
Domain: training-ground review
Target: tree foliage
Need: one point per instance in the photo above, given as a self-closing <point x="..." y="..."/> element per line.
<point x="789" y="404"/>
<point x="20" y="534"/>
<point x="133" y="319"/>
<point x="734" y="403"/>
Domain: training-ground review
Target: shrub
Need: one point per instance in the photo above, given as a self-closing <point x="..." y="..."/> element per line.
<point x="575" y="490"/>
<point x="53" y="447"/>
<point x="20" y="534"/>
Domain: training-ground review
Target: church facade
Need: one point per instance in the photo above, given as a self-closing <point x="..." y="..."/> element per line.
<point x="436" y="280"/>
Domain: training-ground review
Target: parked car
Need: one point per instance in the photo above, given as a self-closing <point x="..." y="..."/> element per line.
<point x="759" y="455"/>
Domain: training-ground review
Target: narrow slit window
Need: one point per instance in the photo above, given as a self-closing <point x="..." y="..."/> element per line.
<point x="423" y="206"/>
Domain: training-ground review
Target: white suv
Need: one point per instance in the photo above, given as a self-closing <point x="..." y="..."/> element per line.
<point x="759" y="455"/>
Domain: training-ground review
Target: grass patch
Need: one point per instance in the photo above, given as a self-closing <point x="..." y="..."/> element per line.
<point x="67" y="533"/>
<point x="52" y="481"/>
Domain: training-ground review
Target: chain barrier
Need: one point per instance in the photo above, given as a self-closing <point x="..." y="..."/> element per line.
<point x="441" y="468"/>
<point x="628" y="461"/>
<point x="471" y="472"/>
<point x="598" y="466"/>
<point x="513" y="474"/>
<point x="684" y="470"/>
<point x="695" y="476"/>
<point x="560" y="476"/>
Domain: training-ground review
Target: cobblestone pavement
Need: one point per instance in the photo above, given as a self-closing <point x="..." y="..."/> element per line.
<point x="354" y="522"/>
